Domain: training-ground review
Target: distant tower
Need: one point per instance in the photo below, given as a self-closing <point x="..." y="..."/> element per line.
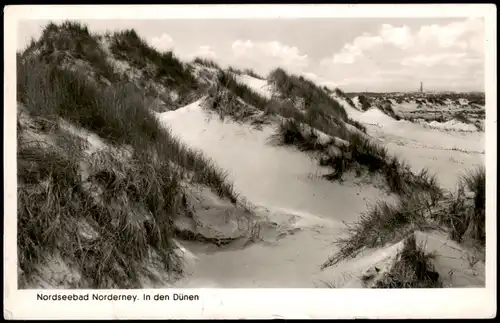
<point x="421" y="87"/>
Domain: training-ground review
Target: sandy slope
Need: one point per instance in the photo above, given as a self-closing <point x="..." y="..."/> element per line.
<point x="264" y="174"/>
<point x="259" y="86"/>
<point x="446" y="153"/>
<point x="303" y="212"/>
<point x="307" y="210"/>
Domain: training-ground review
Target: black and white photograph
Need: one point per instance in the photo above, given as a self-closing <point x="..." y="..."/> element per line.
<point x="318" y="153"/>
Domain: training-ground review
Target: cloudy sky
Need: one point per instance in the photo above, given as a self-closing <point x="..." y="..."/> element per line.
<point x="374" y="54"/>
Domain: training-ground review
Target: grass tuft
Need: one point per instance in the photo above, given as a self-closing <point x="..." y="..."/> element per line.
<point x="227" y="80"/>
<point x="291" y="132"/>
<point x="465" y="215"/>
<point x="365" y="102"/>
<point x="226" y="104"/>
<point x="383" y="223"/>
<point x="206" y="62"/>
<point x="363" y="152"/>
<point x="252" y="73"/>
<point x="163" y="67"/>
<point x="357" y="124"/>
<point x="291" y="86"/>
<point x="72" y="40"/>
<point x="412" y="269"/>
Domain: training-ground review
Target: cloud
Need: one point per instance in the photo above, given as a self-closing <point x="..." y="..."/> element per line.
<point x="466" y="35"/>
<point x="163" y="43"/>
<point x="263" y="56"/>
<point x="431" y="53"/>
<point x="452" y="59"/>
<point x="320" y="80"/>
<point x="240" y="48"/>
<point x="350" y="52"/>
<point x="204" y="51"/>
<point x="398" y="36"/>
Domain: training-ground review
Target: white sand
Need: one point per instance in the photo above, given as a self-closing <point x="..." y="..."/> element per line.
<point x="259" y="169"/>
<point x="285" y="182"/>
<point x="355" y="100"/>
<point x="258" y="85"/>
<point x="351" y="112"/>
<point x="307" y="210"/>
<point x="376" y="117"/>
<point x="446" y="153"/>
<point x="454" y="125"/>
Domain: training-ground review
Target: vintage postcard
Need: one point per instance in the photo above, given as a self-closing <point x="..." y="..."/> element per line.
<point x="250" y="161"/>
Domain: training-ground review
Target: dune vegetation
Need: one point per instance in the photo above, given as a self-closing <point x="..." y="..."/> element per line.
<point x="101" y="179"/>
<point x="124" y="195"/>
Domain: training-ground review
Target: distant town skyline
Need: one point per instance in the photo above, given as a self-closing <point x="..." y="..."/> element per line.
<point x="354" y="54"/>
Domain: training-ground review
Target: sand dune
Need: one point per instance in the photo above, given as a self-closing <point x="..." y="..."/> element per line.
<point x="302" y="213"/>
<point x="445" y="153"/>
<point x="308" y="210"/>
